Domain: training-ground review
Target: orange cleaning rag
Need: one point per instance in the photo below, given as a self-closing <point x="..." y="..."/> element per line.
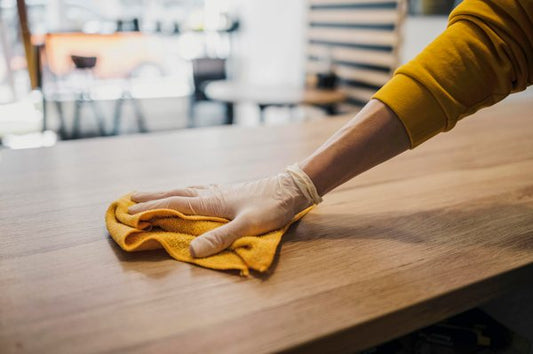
<point x="174" y="231"/>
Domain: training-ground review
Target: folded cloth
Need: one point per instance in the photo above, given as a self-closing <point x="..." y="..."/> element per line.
<point x="174" y="232"/>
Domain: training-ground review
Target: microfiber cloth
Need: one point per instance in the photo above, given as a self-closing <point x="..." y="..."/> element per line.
<point x="174" y="231"/>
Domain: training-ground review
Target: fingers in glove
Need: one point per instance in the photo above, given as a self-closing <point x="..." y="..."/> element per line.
<point x="218" y="239"/>
<point x="186" y="205"/>
<point x="140" y="197"/>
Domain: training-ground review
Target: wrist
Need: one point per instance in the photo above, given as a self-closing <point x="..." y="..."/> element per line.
<point x="312" y="170"/>
<point x="304" y="184"/>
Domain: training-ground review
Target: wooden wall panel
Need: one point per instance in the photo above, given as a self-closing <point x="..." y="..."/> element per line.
<point x="361" y="38"/>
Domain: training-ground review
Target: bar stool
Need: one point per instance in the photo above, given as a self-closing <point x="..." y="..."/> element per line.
<point x="84" y="66"/>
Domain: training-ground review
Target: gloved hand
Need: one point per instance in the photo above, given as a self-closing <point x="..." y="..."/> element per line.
<point x="254" y="207"/>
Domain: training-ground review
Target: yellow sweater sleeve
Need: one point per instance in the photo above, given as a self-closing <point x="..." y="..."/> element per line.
<point x="485" y="53"/>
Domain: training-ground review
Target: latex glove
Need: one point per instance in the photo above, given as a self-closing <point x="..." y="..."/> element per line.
<point x="254" y="207"/>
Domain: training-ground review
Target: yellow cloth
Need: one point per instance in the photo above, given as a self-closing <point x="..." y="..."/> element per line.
<point x="485" y="54"/>
<point x="174" y="232"/>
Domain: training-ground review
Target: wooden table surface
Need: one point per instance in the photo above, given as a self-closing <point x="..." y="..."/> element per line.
<point x="431" y="233"/>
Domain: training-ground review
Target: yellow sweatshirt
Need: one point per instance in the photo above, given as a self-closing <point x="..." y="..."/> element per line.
<point x="485" y="53"/>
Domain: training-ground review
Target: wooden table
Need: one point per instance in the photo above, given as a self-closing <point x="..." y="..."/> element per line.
<point x="429" y="234"/>
<point x="264" y="96"/>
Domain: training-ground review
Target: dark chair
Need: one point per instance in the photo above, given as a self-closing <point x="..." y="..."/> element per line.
<point x="204" y="71"/>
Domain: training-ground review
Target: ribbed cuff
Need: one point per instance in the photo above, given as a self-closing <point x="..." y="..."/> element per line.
<point x="416" y="107"/>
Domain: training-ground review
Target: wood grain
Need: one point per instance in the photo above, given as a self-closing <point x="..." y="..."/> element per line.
<point x="428" y="234"/>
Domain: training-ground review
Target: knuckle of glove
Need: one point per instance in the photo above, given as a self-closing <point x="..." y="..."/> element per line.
<point x="251" y="222"/>
<point x="171" y="202"/>
<point x="217" y="241"/>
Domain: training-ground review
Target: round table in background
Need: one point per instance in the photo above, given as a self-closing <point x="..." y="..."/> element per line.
<point x="232" y="92"/>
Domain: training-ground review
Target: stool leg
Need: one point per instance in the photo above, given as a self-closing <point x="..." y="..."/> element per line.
<point x="291" y="111"/>
<point x="141" y="121"/>
<point x="62" y="126"/>
<point x="262" y="109"/>
<point x="76" y="123"/>
<point x="118" y="112"/>
<point x="191" y="111"/>
<point x="99" y="118"/>
<point x="230" y="112"/>
<point x="45" y="115"/>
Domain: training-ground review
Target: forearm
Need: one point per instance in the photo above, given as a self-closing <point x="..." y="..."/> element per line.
<point x="373" y="136"/>
<point x="485" y="54"/>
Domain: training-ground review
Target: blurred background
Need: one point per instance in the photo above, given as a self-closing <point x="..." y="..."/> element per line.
<point x="72" y="69"/>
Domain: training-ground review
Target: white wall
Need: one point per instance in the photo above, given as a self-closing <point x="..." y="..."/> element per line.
<point x="418" y="32"/>
<point x="270" y="46"/>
